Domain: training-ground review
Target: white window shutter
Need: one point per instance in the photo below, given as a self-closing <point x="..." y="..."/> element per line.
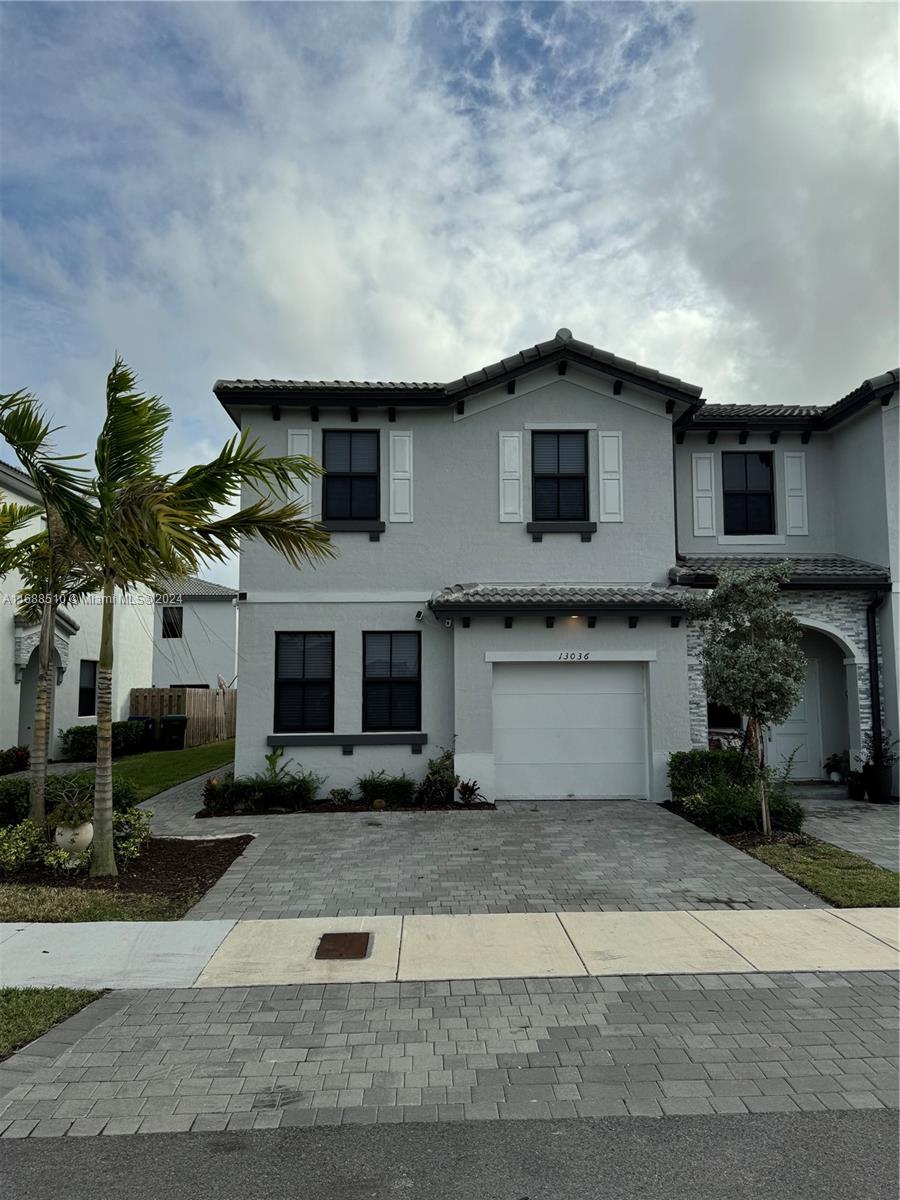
<point x="610" y="460"/>
<point x="300" y="442"/>
<point x="401" y="468"/>
<point x="511" y="476"/>
<point x="795" y="504"/>
<point x="703" y="480"/>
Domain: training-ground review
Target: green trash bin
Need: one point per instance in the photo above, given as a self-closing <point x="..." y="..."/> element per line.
<point x="171" y="732"/>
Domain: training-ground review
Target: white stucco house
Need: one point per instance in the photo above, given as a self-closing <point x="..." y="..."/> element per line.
<point x="76" y="650"/>
<point x="514" y="551"/>
<point x="195" y="634"/>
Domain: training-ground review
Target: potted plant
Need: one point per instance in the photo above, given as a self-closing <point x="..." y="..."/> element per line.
<point x="71" y="817"/>
<point x="838" y="766"/>
<point x="856" y="785"/>
<point x="877" y="762"/>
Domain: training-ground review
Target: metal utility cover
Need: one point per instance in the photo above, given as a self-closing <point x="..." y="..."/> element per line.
<point x="343" y="945"/>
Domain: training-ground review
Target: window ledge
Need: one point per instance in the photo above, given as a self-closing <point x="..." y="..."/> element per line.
<point x="751" y="539"/>
<point x="347" y="741"/>
<point x="373" y="528"/>
<point x="537" y="529"/>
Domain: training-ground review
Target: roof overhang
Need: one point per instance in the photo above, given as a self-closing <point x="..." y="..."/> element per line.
<point x="503" y="601"/>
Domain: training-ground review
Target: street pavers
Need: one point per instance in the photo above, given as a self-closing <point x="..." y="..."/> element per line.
<point x="668" y="1045"/>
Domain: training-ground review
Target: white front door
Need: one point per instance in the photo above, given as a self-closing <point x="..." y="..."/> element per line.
<point x="801" y="734"/>
<point x="569" y="730"/>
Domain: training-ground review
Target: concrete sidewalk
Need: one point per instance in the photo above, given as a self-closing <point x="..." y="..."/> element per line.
<point x="534" y="945"/>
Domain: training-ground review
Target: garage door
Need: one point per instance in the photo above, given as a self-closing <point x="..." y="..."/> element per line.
<point x="569" y="730"/>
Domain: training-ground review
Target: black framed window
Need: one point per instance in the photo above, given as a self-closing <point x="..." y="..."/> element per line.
<point x="304" y="682"/>
<point x="748" y="492"/>
<point x="172" y="620"/>
<point x="87" y="688"/>
<point x="392" y="681"/>
<point x="351" y="485"/>
<point x="559" y="471"/>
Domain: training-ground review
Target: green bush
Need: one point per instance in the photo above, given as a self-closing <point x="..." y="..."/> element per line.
<point x="22" y="845"/>
<point x="693" y="771"/>
<point x="131" y="832"/>
<point x="260" y="794"/>
<point x="26" y="845"/>
<point x="14" y="794"/>
<point x="79" y="743"/>
<point x="727" y="808"/>
<point x="397" y="791"/>
<point x="340" y="795"/>
<point x="439" y="784"/>
<point x="16" y="758"/>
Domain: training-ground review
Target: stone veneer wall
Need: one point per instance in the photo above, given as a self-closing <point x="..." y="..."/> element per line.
<point x="845" y="612"/>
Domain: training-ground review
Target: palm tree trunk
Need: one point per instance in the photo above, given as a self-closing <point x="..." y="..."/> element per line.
<point x="40" y="730"/>
<point x="103" y="860"/>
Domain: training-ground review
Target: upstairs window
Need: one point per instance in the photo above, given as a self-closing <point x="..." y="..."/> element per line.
<point x="351" y="484"/>
<point x="748" y="501"/>
<point x="87" y="688"/>
<point x="172" y="620"/>
<point x="304" y="682"/>
<point x="559" y="476"/>
<point x="392" y="681"/>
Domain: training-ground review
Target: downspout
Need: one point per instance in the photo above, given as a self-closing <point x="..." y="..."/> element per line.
<point x="874" y="683"/>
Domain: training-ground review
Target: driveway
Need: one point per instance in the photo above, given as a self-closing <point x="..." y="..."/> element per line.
<point x="552" y="856"/>
<point x="872" y="830"/>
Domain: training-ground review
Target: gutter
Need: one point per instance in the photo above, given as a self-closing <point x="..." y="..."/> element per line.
<point x="874" y="682"/>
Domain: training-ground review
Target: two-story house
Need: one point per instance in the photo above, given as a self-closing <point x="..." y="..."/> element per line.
<point x="194" y="634"/>
<point x="514" y="552"/>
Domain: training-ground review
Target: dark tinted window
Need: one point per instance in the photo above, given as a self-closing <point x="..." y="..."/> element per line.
<point x="87" y="688"/>
<point x="559" y="476"/>
<point x="351" y="484"/>
<point x="748" y="502"/>
<point x="172" y="620"/>
<point x="391" y="681"/>
<point x="304" y="682"/>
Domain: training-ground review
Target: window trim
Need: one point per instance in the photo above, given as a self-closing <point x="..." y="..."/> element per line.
<point x="366" y="727"/>
<point x="173" y="637"/>
<point x="585" y="477"/>
<point x="772" y="532"/>
<point x="279" y="633"/>
<point x="81" y="688"/>
<point x="370" y="518"/>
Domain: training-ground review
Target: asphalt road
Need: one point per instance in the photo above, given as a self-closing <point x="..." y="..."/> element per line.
<point x="808" y="1156"/>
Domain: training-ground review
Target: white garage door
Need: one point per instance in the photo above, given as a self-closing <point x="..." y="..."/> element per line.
<point x="569" y="730"/>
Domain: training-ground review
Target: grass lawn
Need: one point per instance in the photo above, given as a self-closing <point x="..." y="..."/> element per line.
<point x="845" y="880"/>
<point x="26" y="1013"/>
<point x="33" y="902"/>
<point x="160" y="769"/>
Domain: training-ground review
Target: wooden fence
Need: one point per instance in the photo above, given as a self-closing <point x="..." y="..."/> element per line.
<point x="211" y="715"/>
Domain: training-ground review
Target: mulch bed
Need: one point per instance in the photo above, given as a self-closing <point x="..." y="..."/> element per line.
<point x="167" y="867"/>
<point x="326" y="807"/>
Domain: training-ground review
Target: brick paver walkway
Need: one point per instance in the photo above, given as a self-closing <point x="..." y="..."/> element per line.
<point x="529" y="857"/>
<point x="240" y="1058"/>
<point x="872" y="830"/>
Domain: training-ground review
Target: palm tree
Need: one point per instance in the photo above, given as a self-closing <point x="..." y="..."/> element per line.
<point x="13" y="519"/>
<point x="147" y="525"/>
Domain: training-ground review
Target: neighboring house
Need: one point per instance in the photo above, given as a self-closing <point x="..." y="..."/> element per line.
<point x="76" y="649"/>
<point x="194" y="634"/>
<point x="514" y="553"/>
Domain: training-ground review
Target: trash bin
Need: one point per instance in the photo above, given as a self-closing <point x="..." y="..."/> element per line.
<point x="149" y="731"/>
<point x="171" y="732"/>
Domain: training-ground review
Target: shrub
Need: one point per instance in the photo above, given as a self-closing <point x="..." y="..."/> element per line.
<point x="22" y="845"/>
<point x="260" y="793"/>
<point x="398" y="791"/>
<point x="469" y="791"/>
<point x="693" y="771"/>
<point x="79" y="743"/>
<point x="340" y="795"/>
<point x="16" y="758"/>
<point x="440" y="780"/>
<point x="131" y="832"/>
<point x="727" y="808"/>
<point x="14" y="794"/>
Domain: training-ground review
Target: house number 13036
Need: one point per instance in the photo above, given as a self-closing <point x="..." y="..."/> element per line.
<point x="574" y="656"/>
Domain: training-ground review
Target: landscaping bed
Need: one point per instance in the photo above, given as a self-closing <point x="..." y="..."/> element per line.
<point x="27" y="1013"/>
<point x="353" y="806"/>
<point x="844" y="879"/>
<point x="161" y="884"/>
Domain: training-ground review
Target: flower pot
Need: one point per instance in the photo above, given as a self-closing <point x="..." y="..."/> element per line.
<point x="74" y="838"/>
<point x="878" y="782"/>
<point x="834" y="776"/>
<point x="856" y="789"/>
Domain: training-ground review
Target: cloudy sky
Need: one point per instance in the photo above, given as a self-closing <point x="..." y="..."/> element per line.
<point x="409" y="191"/>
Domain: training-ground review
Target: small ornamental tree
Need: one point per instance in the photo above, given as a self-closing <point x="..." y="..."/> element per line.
<point x="752" y="661"/>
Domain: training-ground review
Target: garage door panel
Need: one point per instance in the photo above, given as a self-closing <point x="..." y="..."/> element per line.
<point x="569" y="730"/>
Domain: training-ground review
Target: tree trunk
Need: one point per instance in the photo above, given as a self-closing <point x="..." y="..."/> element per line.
<point x="763" y="788"/>
<point x="103" y="860"/>
<point x="40" y="730"/>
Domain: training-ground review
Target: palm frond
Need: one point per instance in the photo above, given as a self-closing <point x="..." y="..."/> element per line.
<point x="243" y="460"/>
<point x="13" y="519"/>
<point x="25" y="427"/>
<point x="131" y="439"/>
<point x="284" y="528"/>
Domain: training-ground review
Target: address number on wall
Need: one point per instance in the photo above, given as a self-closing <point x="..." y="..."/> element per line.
<point x="574" y="656"/>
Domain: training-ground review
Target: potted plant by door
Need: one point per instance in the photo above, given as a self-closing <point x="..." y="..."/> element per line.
<point x="877" y="765"/>
<point x="837" y="766"/>
<point x="856" y="786"/>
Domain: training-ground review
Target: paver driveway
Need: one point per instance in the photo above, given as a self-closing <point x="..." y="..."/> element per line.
<point x="524" y="857"/>
<point x="872" y="830"/>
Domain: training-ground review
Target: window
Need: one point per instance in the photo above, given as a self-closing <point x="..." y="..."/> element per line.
<point x="87" y="688"/>
<point x="748" y="493"/>
<point x="351" y="485"/>
<point x="172" y="620"/>
<point x="559" y="476"/>
<point x="304" y="682"/>
<point x="392" y="682"/>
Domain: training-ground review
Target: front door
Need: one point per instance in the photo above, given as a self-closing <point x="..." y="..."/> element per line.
<point x="801" y="734"/>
